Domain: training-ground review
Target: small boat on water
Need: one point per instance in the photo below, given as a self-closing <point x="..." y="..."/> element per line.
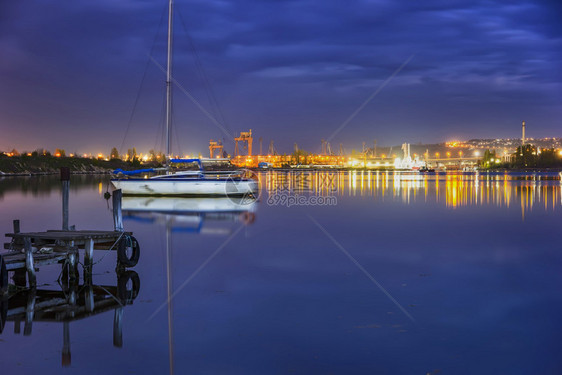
<point x="182" y="183"/>
<point x="226" y="183"/>
<point x="426" y="170"/>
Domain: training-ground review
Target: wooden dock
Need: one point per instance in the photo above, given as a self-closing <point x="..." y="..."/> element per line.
<point x="35" y="249"/>
<point x="30" y="250"/>
<point x="27" y="251"/>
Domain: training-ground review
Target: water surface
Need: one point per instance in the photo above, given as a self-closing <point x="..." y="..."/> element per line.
<point x="365" y="273"/>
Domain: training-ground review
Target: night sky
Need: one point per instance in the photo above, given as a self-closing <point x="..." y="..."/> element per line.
<point x="292" y="71"/>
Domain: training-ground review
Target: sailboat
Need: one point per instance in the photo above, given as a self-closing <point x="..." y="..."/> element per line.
<point x="185" y="183"/>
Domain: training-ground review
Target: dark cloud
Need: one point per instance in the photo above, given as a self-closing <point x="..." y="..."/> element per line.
<point x="291" y="70"/>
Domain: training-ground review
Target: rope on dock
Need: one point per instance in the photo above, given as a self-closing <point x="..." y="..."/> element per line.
<point x="66" y="262"/>
<point x="111" y="248"/>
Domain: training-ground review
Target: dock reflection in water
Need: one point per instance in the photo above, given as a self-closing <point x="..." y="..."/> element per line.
<point x="71" y="303"/>
<point x="451" y="189"/>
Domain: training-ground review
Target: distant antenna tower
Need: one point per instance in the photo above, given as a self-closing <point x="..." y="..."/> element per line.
<point x="271" y="150"/>
<point x="523" y="134"/>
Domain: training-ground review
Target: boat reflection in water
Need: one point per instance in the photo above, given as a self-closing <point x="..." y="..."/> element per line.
<point x="72" y="302"/>
<point x="191" y="214"/>
<point x="206" y="216"/>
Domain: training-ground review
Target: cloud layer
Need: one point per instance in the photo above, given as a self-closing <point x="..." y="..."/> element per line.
<point x="293" y="71"/>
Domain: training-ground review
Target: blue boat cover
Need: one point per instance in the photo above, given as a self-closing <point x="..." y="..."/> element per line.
<point x="130" y="173"/>
<point x="198" y="161"/>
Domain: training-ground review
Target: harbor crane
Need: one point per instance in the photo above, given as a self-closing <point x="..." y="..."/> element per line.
<point x="214" y="145"/>
<point x="244" y="137"/>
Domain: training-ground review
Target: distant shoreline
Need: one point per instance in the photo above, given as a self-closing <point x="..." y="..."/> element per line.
<point x="43" y="165"/>
<point x="343" y="169"/>
<point x="51" y="173"/>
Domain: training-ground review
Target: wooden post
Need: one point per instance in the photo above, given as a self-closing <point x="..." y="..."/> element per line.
<point x="72" y="265"/>
<point x="88" y="252"/>
<point x="29" y="263"/>
<point x="117" y="214"/>
<point x="66" y="344"/>
<point x="72" y="295"/>
<point x="88" y="260"/>
<point x="118" y="328"/>
<point x="89" y="298"/>
<point x="16" y="226"/>
<point x="65" y="178"/>
<point x="29" y="312"/>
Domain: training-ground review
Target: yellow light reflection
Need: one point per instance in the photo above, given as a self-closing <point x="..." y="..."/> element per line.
<point x="453" y="189"/>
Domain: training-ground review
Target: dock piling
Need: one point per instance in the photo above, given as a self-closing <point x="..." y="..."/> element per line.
<point x="72" y="266"/>
<point x="29" y="313"/>
<point x="65" y="178"/>
<point x="89" y="301"/>
<point x="16" y="226"/>
<point x="117" y="213"/>
<point x="66" y="361"/>
<point x="29" y="263"/>
<point x="118" y="328"/>
<point x="88" y="259"/>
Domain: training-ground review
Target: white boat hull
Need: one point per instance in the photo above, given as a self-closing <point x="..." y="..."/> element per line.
<point x="186" y="187"/>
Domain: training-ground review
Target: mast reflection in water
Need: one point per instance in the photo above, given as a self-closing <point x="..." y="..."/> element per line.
<point x="187" y="215"/>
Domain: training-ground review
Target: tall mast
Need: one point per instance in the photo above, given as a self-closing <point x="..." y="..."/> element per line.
<point x="169" y="83"/>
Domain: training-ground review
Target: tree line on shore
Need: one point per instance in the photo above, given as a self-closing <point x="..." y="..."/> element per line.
<point x="43" y="161"/>
<point x="526" y="156"/>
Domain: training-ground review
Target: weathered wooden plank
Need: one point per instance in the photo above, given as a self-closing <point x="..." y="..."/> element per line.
<point x="39" y="261"/>
<point x="67" y="235"/>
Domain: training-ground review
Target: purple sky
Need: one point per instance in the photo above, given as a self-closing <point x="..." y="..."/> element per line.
<point x="293" y="71"/>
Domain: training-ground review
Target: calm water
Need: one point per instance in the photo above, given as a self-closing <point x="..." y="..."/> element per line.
<point x="365" y="273"/>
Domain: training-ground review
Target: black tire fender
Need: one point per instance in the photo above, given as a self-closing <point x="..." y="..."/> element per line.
<point x="125" y="243"/>
<point x="128" y="295"/>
